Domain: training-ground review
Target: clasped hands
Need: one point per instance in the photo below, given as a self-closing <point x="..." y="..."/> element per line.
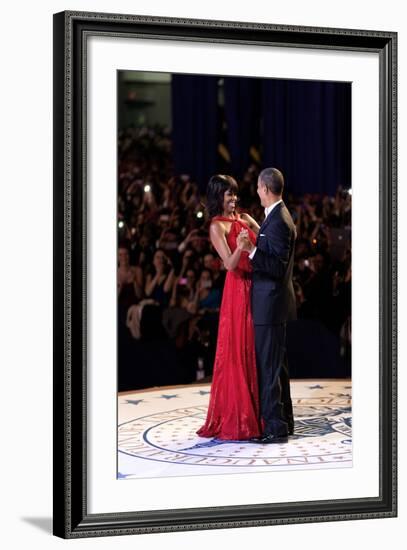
<point x="243" y="242"/>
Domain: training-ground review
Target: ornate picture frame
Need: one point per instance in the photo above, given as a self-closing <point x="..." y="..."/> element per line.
<point x="71" y="516"/>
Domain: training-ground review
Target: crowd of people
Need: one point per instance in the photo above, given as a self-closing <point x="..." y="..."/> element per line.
<point x="170" y="278"/>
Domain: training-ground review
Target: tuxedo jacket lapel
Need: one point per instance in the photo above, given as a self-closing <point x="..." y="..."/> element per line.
<point x="269" y="217"/>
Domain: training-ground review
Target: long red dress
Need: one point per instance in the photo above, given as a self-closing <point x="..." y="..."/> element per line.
<point x="233" y="411"/>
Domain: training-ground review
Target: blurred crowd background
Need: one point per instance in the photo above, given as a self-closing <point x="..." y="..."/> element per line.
<point x="170" y="278"/>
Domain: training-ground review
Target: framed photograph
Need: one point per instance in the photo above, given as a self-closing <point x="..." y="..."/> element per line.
<point x="180" y="145"/>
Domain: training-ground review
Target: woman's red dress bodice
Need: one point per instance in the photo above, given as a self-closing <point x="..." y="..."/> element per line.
<point x="237" y="225"/>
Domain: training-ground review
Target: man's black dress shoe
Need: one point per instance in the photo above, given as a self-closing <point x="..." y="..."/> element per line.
<point x="270" y="438"/>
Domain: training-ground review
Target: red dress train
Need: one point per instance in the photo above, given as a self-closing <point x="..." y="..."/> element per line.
<point x="233" y="411"/>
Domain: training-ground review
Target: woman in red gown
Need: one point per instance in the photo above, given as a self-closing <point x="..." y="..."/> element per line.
<point x="234" y="409"/>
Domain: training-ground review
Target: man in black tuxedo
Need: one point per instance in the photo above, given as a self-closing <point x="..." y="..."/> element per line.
<point x="273" y="304"/>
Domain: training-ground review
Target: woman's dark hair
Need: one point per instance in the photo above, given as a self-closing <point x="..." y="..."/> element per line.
<point x="151" y="268"/>
<point x="190" y="268"/>
<point x="207" y="270"/>
<point x="215" y="191"/>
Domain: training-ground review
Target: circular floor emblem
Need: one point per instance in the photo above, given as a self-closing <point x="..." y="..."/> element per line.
<point x="170" y="437"/>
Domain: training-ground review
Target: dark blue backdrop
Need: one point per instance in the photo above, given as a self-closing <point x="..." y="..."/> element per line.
<point x="301" y="127"/>
<point x="195" y="125"/>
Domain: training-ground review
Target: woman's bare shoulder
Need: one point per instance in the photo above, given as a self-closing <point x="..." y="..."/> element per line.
<point x="217" y="227"/>
<point x="247" y="218"/>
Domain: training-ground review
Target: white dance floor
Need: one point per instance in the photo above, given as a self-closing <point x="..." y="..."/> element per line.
<point x="156" y="433"/>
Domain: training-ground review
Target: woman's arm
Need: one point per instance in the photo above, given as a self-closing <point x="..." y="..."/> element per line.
<point x="138" y="282"/>
<point x="218" y="239"/>
<point x="138" y="290"/>
<point x="251" y="222"/>
<point x="169" y="281"/>
<point x="182" y="246"/>
<point x="151" y="283"/>
<point x="138" y="275"/>
<point x="193" y="304"/>
<point x="173" y="299"/>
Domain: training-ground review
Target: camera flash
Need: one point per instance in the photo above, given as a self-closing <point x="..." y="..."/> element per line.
<point x="121" y="224"/>
<point x="350" y="191"/>
<point x="199" y="214"/>
<point x="147" y="188"/>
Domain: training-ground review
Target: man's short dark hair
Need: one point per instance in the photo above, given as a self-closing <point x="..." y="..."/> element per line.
<point x="273" y="180"/>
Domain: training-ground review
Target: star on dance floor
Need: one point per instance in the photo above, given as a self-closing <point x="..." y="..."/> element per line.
<point x="164" y="396"/>
<point x="121" y="476"/>
<point x="316" y="387"/>
<point x="202" y="392"/>
<point x="134" y="401"/>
